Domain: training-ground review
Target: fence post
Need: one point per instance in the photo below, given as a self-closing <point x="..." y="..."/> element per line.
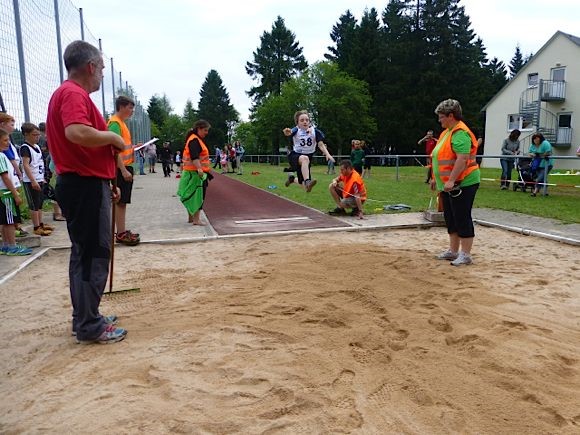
<point x="58" y="40"/>
<point x="82" y="24"/>
<point x="102" y="81"/>
<point x="120" y="81"/>
<point x="397" y="167"/>
<point x="18" y="29"/>
<point x="113" y="80"/>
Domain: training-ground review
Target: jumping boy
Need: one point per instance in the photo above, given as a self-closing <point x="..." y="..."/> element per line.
<point x="305" y="139"/>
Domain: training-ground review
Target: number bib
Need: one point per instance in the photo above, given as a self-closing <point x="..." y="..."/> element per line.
<point x="305" y="141"/>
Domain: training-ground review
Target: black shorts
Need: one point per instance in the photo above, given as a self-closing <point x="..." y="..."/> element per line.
<point x="35" y="198"/>
<point x="358" y="168"/>
<point x="367" y="164"/>
<point x="9" y="211"/>
<point x="126" y="187"/>
<point x="457" y="211"/>
<point x="293" y="158"/>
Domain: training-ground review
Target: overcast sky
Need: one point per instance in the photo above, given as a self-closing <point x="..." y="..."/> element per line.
<point x="170" y="46"/>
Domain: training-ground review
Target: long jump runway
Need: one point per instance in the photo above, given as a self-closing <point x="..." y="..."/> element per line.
<point x="233" y="207"/>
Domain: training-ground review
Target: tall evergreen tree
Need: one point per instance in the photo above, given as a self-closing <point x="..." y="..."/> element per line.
<point x="215" y="107"/>
<point x="278" y="58"/>
<point x="159" y="109"/>
<point x="343" y="37"/>
<point x="516" y="63"/>
<point x="189" y="113"/>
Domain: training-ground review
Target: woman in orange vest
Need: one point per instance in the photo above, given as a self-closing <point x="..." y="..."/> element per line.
<point x="196" y="168"/>
<point x="456" y="175"/>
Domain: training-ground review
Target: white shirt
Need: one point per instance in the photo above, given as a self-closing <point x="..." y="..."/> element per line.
<point x="305" y="141"/>
<point x="36" y="164"/>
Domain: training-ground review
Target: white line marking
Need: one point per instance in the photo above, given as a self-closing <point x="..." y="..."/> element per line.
<point x="273" y="221"/>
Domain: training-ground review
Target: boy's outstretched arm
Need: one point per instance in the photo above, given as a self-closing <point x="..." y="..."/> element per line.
<point x="324" y="150"/>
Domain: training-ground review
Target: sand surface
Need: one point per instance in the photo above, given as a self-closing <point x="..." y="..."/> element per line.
<point x="333" y="333"/>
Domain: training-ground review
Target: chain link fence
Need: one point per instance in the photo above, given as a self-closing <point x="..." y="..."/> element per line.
<point x="33" y="36"/>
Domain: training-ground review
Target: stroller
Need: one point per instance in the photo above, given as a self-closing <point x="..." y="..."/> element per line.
<point x="526" y="174"/>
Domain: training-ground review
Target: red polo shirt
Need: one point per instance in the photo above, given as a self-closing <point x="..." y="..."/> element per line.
<point x="71" y="104"/>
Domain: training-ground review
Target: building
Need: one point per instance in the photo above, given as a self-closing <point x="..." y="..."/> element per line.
<point x="544" y="96"/>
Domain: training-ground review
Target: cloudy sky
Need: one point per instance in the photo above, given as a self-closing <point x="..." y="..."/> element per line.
<point x="170" y="46"/>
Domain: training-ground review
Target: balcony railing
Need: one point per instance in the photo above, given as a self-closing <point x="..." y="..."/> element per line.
<point x="551" y="90"/>
<point x="563" y="137"/>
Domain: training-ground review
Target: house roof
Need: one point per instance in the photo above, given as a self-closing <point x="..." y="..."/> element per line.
<point x="574" y="39"/>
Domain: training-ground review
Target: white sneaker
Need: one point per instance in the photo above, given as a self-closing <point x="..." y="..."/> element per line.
<point x="462" y="258"/>
<point x="447" y="255"/>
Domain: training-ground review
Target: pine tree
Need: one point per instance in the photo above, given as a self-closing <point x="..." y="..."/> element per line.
<point x="516" y="63"/>
<point x="343" y="37"/>
<point x="158" y="109"/>
<point x="278" y="58"/>
<point x="189" y="113"/>
<point x="215" y="107"/>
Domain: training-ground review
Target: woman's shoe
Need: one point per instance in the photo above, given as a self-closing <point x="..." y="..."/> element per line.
<point x="58" y="217"/>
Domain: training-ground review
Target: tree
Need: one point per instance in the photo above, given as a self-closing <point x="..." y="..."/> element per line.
<point x="278" y="58"/>
<point x="159" y="109"/>
<point x="343" y="37"/>
<point x="246" y="134"/>
<point x="516" y="63"/>
<point x="189" y="113"/>
<point x="214" y="106"/>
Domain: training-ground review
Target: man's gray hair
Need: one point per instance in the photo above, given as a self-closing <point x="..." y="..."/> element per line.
<point x="79" y="53"/>
<point x="449" y="106"/>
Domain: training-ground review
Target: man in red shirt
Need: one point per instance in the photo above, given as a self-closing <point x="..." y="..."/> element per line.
<point x="83" y="151"/>
<point x="348" y="191"/>
<point x="430" y="143"/>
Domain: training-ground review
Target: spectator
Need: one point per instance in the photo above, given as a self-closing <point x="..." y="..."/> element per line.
<point x="178" y="162"/>
<point x="49" y="171"/>
<point x="33" y="177"/>
<point x="239" y="149"/>
<point x="348" y="191"/>
<point x="456" y="175"/>
<point x="357" y="156"/>
<point x="83" y="151"/>
<point x="224" y="160"/>
<point x="541" y="150"/>
<point x="430" y="143"/>
<point x="124" y="108"/>
<point x="366" y="160"/>
<point x="232" y="157"/>
<point x="141" y="161"/>
<point x="305" y="139"/>
<point x="151" y="157"/>
<point x="510" y="147"/>
<point x="9" y="203"/>
<point x="165" y="157"/>
<point x="218" y="157"/>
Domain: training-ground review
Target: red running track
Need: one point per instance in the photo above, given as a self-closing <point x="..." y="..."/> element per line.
<point x="233" y="207"/>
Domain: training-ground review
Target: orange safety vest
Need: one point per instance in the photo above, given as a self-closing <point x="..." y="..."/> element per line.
<point x="127" y="154"/>
<point x="187" y="163"/>
<point x="446" y="157"/>
<point x="348" y="185"/>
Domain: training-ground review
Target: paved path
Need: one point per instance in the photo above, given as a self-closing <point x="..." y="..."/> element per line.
<point x="157" y="214"/>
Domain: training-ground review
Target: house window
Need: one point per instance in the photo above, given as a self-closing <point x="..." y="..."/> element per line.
<point x="533" y="80"/>
<point x="558" y="74"/>
<point x="564" y="120"/>
<point x="521" y="122"/>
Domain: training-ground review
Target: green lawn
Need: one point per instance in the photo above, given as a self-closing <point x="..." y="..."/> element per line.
<point x="383" y="188"/>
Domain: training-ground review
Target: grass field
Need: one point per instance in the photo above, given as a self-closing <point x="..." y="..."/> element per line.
<point x="563" y="203"/>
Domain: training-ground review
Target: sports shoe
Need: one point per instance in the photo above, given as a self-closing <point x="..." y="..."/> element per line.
<point x="47" y="227"/>
<point x="42" y="232"/>
<point x="127" y="238"/>
<point x="448" y="255"/>
<point x="462" y="258"/>
<point x="290" y="180"/>
<point x="16" y="251"/>
<point x="109" y="320"/>
<point x="337" y="212"/>
<point x="21" y="233"/>
<point x="309" y="185"/>
<point x="111" y="334"/>
<point x="355" y="211"/>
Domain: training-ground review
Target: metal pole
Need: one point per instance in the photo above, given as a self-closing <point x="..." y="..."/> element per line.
<point x="127" y="87"/>
<point x="58" y="41"/>
<point x="82" y="24"/>
<point x="397" y="165"/>
<point x="102" y="82"/>
<point x="120" y="81"/>
<point x="18" y="30"/>
<point x="113" y="81"/>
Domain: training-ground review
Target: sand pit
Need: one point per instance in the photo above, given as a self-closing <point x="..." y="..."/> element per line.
<point x="332" y="333"/>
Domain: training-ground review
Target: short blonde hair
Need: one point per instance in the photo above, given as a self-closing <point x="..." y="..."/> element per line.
<point x="5" y="117"/>
<point x="449" y="106"/>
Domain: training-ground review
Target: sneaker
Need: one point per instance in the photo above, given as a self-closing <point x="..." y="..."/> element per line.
<point x="42" y="232"/>
<point x="127" y="238"/>
<point x="448" y="255"/>
<point x="21" y="233"/>
<point x="337" y="212"/>
<point x="309" y="185"/>
<point x="16" y="251"/>
<point x="47" y="227"/>
<point x="503" y="187"/>
<point x="111" y="334"/>
<point x="355" y="212"/>
<point x="109" y="320"/>
<point x="462" y="258"/>
<point x="290" y="180"/>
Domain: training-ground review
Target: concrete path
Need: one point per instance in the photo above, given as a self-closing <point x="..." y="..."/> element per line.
<point x="157" y="214"/>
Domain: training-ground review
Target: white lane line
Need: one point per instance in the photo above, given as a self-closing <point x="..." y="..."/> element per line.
<point x="273" y="221"/>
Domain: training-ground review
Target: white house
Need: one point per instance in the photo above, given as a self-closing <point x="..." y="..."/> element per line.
<point x="544" y="97"/>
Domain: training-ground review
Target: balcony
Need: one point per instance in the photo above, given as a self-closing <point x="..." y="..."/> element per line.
<point x="551" y="90"/>
<point x="563" y="137"/>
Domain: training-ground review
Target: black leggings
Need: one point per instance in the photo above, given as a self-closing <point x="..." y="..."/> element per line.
<point x="457" y="211"/>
